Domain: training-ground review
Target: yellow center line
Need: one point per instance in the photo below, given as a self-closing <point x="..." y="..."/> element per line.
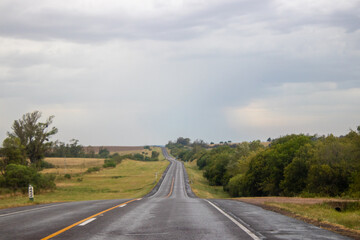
<point x="77" y="223"/>
<point x="171" y="189"/>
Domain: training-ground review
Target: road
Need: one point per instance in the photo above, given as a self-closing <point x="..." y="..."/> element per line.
<point x="171" y="212"/>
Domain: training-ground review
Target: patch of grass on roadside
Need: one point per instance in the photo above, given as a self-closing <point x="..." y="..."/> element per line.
<point x="161" y="156"/>
<point x="324" y="212"/>
<point x="130" y="179"/>
<point x="200" y="185"/>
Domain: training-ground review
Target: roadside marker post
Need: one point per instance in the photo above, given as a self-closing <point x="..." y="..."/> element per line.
<point x="31" y="193"/>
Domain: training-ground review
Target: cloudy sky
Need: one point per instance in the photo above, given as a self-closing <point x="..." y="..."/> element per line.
<point x="125" y="72"/>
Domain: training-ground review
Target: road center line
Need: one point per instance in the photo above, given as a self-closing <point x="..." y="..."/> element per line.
<point x="171" y="189"/>
<point x="123" y="205"/>
<point x="81" y="221"/>
<point x="87" y="221"/>
<point x="251" y="234"/>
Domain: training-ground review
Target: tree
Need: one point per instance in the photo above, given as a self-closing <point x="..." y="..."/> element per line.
<point x="103" y="152"/>
<point x="155" y="155"/>
<point x="183" y="141"/>
<point x="33" y="135"/>
<point x="12" y="152"/>
<point x="76" y="150"/>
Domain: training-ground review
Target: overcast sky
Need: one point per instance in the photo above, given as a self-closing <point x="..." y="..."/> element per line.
<point x="144" y="72"/>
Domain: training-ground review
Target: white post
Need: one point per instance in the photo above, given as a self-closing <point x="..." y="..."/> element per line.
<point x="31" y="193"/>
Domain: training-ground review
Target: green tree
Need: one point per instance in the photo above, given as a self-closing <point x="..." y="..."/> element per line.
<point x="295" y="175"/>
<point x="154" y="155"/>
<point x="12" y="152"/>
<point x="103" y="152"/>
<point x="183" y="141"/>
<point x="75" y="149"/>
<point x="33" y="135"/>
<point x="18" y="177"/>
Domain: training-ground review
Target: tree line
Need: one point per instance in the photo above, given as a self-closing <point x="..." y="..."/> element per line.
<point x="292" y="165"/>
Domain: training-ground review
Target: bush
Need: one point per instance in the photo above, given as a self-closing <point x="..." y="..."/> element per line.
<point x="138" y="156"/>
<point x="18" y="177"/>
<point x="117" y="158"/>
<point x="154" y="156"/>
<point x="109" y="163"/>
<point x="67" y="176"/>
<point x="93" y="169"/>
<point x="45" y="164"/>
<point x="44" y="181"/>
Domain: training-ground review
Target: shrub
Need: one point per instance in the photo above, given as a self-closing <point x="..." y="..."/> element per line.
<point x="67" y="176"/>
<point x="44" y="181"/>
<point x="138" y="156"/>
<point x="117" y="158"/>
<point x="45" y="164"/>
<point x="109" y="163"/>
<point x="93" y="169"/>
<point x="18" y="177"/>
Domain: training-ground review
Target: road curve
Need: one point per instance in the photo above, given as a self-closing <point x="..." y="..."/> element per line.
<point x="172" y="212"/>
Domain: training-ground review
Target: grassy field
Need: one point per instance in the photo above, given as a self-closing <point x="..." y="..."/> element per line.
<point x="200" y="185"/>
<point x="130" y="179"/>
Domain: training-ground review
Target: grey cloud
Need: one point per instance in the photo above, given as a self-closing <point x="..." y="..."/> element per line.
<point x="48" y="24"/>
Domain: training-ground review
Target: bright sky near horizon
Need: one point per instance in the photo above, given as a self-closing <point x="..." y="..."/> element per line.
<point x="145" y="72"/>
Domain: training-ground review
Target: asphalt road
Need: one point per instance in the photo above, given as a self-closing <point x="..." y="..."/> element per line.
<point x="171" y="212"/>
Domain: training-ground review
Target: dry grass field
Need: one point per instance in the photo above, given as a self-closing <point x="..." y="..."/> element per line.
<point x="72" y="165"/>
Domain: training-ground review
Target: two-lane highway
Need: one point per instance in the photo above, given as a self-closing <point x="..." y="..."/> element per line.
<point x="170" y="213"/>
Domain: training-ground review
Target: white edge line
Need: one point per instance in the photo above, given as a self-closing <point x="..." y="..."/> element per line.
<point x="30" y="210"/>
<point x="86" y="222"/>
<point x="123" y="205"/>
<point x="252" y="235"/>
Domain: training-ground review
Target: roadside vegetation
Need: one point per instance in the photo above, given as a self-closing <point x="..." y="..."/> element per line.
<point x="293" y="165"/>
<point x="200" y="185"/>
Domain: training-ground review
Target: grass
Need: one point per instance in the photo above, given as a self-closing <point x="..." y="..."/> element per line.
<point x="130" y="179"/>
<point x="161" y="156"/>
<point x="200" y="185"/>
<point x="72" y="165"/>
<point x="324" y="212"/>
